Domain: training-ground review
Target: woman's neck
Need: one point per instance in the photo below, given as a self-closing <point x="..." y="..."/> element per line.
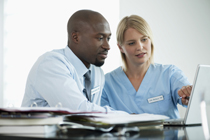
<point x="137" y="72"/>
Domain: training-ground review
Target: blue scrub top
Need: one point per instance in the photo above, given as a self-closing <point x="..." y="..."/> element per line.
<point x="157" y="94"/>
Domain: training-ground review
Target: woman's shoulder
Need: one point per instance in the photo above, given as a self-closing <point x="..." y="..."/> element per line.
<point x="164" y="67"/>
<point x="114" y="73"/>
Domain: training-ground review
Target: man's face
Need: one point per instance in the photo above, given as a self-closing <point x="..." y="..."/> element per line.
<point x="94" y="44"/>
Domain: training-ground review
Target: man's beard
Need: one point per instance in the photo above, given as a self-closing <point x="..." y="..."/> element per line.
<point x="98" y="63"/>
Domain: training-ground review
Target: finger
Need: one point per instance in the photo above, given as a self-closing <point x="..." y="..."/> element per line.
<point x="185" y="90"/>
<point x="185" y="101"/>
<point x="181" y="93"/>
<point x="189" y="89"/>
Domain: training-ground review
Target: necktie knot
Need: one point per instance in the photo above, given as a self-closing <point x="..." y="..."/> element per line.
<point x="87" y="75"/>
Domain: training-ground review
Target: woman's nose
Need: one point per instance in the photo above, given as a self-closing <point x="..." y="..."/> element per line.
<point x="139" y="46"/>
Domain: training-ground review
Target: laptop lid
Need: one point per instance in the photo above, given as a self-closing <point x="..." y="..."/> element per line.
<point x="201" y="84"/>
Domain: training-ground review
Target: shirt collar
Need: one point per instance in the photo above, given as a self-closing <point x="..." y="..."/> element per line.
<point x="76" y="62"/>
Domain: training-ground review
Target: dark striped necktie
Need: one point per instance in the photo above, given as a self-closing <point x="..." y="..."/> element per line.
<point x="87" y="89"/>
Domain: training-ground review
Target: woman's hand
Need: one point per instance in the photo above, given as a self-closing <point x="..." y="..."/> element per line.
<point x="185" y="92"/>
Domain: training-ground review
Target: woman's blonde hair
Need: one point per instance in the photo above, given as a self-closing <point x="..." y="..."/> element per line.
<point x="138" y="23"/>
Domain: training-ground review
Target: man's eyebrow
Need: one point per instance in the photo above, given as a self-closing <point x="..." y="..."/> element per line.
<point x="103" y="34"/>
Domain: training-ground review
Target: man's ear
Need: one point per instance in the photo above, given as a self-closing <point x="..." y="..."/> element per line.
<point x="75" y="36"/>
<point x="120" y="48"/>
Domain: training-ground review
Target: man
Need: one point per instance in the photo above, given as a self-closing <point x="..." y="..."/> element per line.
<point x="58" y="76"/>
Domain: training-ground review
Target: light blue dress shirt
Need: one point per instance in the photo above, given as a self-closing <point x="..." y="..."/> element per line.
<point x="157" y="94"/>
<point x="57" y="77"/>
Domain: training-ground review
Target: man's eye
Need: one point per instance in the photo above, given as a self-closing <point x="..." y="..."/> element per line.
<point x="108" y="38"/>
<point x="100" y="38"/>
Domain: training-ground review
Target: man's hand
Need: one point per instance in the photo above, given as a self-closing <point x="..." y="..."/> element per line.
<point x="185" y="92"/>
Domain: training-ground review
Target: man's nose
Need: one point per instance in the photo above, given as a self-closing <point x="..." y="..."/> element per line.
<point x="106" y="45"/>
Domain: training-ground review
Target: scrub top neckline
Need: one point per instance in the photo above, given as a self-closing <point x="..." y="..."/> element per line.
<point x="127" y="83"/>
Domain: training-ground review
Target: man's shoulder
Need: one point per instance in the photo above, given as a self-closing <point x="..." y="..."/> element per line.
<point x="54" y="58"/>
<point x="54" y="53"/>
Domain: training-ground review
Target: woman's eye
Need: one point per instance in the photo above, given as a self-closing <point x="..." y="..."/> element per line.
<point x="131" y="43"/>
<point x="145" y="39"/>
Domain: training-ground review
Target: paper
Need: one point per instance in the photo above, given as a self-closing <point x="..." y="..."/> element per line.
<point x="37" y="129"/>
<point x="52" y="110"/>
<point x="114" y="119"/>
<point x="30" y="121"/>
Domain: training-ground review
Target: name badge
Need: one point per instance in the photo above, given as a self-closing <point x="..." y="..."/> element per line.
<point x="155" y="99"/>
<point x="95" y="90"/>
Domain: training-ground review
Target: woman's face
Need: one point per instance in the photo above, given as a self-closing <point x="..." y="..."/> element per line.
<point x="136" y="47"/>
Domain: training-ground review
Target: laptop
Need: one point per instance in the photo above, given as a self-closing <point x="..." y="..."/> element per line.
<point x="201" y="84"/>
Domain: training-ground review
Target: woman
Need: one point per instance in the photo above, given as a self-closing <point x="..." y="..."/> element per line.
<point x="140" y="85"/>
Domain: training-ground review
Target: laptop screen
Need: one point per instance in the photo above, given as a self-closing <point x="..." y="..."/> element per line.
<point x="201" y="84"/>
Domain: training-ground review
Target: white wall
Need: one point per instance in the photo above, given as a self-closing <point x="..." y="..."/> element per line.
<point x="181" y="30"/>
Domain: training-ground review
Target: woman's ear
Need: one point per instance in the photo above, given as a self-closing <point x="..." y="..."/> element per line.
<point x="75" y="36"/>
<point x="121" y="49"/>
